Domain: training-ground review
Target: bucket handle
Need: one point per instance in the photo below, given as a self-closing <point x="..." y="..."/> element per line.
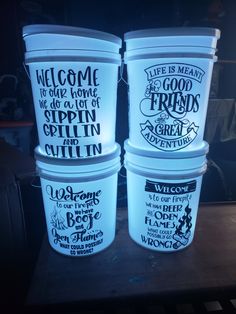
<point x="121" y="72"/>
<point x="121" y="174"/>
<point x="26" y="70"/>
<point x="34" y="183"/>
<point x="227" y="190"/>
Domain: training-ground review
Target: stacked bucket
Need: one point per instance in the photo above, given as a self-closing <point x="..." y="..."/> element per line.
<point x="73" y="74"/>
<point x="169" y="75"/>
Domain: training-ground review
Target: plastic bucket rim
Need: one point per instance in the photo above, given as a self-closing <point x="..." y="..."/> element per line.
<point x="36" y="29"/>
<point x="172" y="31"/>
<point x="199" y="151"/>
<point x="76" y="51"/>
<point x="175" y="49"/>
<point x="77" y="161"/>
<point x="163" y="174"/>
<point x="169" y="55"/>
<point x="72" y="55"/>
<point x="45" y="59"/>
<point x="79" y="177"/>
<point x="133" y="50"/>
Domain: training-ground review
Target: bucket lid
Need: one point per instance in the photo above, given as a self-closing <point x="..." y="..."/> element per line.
<point x="172" y="42"/>
<point x="78" y="169"/>
<point x="72" y="55"/>
<point x="166" y="165"/>
<point x="72" y="162"/>
<point x="173" y="31"/>
<point x="198" y="151"/>
<point x="33" y="29"/>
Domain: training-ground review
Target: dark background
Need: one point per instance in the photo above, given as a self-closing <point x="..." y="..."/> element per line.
<point x="117" y="17"/>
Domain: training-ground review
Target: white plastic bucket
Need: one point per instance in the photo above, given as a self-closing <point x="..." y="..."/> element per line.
<point x="73" y="75"/>
<point x="169" y="76"/>
<point x="163" y="195"/>
<point x="79" y="199"/>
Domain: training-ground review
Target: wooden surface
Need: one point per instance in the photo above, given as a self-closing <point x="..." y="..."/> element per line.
<point x="16" y="124"/>
<point x="126" y="270"/>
